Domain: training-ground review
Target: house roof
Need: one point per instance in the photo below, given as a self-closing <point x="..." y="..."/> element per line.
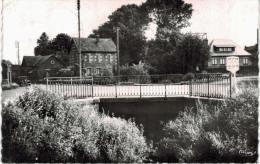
<point x="239" y="51"/>
<point x="223" y="43"/>
<point x="96" y="45"/>
<point x="6" y="62"/>
<point x="32" y="61"/>
<point x="251" y="49"/>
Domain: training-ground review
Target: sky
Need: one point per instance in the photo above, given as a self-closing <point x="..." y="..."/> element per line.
<point x="25" y="20"/>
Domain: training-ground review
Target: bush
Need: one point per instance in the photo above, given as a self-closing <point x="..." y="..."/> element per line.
<point x="139" y="72"/>
<point x="42" y="127"/>
<point x="223" y="133"/>
<point x="188" y="76"/>
<point x="64" y="72"/>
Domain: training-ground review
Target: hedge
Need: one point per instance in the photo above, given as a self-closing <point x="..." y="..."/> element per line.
<point x="42" y="127"/>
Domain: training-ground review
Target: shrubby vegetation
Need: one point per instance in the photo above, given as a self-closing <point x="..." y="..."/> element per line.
<point x="226" y="132"/>
<point x="136" y="72"/>
<point x="42" y="127"/>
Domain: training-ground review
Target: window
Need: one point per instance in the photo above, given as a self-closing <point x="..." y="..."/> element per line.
<point x="107" y="58"/>
<point x="111" y="58"/>
<point x="96" y="57"/>
<point x="86" y="58"/>
<point x="224" y="49"/>
<point x="98" y="71"/>
<point x="245" y="61"/>
<point x="100" y="58"/>
<point x="214" y="61"/>
<point x="222" y="61"/>
<point x="88" y="71"/>
<point x="90" y="58"/>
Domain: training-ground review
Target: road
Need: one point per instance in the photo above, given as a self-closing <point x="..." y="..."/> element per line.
<point x="12" y="93"/>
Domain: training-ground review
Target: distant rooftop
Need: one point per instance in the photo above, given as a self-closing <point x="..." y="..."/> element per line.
<point x="31" y="61"/>
<point x="223" y="43"/>
<point x="239" y="51"/>
<point x="96" y="44"/>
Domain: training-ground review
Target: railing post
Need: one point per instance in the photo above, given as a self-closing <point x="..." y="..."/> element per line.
<point x="230" y="85"/>
<point x="92" y="90"/>
<point x="165" y="93"/>
<point x="116" y="87"/>
<point x="140" y="86"/>
<point x="47" y="83"/>
<point x="190" y="86"/>
<point x="208" y="85"/>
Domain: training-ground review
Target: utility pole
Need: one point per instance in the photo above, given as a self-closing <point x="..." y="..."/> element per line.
<point x="2" y="30"/>
<point x="78" y="6"/>
<point x="18" y="52"/>
<point x="117" y="50"/>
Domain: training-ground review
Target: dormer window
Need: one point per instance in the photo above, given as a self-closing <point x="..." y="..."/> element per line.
<point x="224" y="49"/>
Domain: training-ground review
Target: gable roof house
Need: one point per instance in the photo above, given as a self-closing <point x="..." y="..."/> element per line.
<point x="38" y="67"/>
<point x="98" y="56"/>
<point x="220" y="49"/>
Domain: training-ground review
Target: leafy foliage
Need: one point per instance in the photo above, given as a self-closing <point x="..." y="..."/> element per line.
<point x="132" y="22"/>
<point x="42" y="127"/>
<point x="192" y="52"/>
<point x="162" y="57"/>
<point x="226" y="132"/>
<point x="60" y="46"/>
<point x="181" y="54"/>
<point x="44" y="47"/>
<point x="137" y="71"/>
<point x="169" y="15"/>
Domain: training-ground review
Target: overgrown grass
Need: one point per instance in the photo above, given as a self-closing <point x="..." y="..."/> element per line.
<point x="226" y="132"/>
<point x="42" y="127"/>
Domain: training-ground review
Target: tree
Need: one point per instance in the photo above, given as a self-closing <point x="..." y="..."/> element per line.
<point x="169" y="15"/>
<point x="192" y="53"/>
<point x="43" y="47"/>
<point x="132" y="21"/>
<point x="162" y="57"/>
<point x="43" y="40"/>
<point x="61" y="44"/>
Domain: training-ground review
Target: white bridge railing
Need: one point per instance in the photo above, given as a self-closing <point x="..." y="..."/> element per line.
<point x="204" y="85"/>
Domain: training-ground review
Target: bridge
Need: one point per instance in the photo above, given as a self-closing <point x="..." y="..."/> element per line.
<point x="173" y="85"/>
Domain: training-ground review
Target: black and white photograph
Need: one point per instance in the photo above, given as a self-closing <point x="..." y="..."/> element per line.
<point x="129" y="81"/>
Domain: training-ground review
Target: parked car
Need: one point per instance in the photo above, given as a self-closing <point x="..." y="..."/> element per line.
<point x="23" y="81"/>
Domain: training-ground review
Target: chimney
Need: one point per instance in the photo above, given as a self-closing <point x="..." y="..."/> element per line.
<point x="97" y="38"/>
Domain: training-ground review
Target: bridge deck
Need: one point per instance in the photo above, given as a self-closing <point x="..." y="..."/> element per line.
<point x="216" y="89"/>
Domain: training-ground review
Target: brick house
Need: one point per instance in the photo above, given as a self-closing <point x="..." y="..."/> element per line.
<point x="38" y="67"/>
<point x="222" y="48"/>
<point x="98" y="56"/>
<point x="16" y="71"/>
